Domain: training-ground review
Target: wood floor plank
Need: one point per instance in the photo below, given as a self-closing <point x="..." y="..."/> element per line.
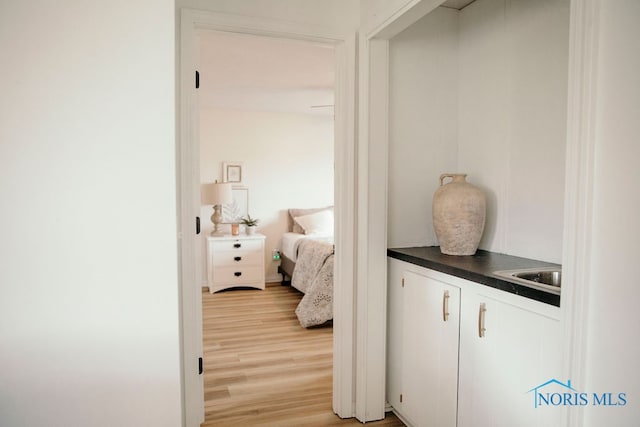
<point x="261" y="368"/>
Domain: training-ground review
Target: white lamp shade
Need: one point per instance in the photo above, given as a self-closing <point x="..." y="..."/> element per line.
<point x="216" y="194"/>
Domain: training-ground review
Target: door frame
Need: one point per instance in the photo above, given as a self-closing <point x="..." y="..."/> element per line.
<point x="373" y="147"/>
<point x="187" y="150"/>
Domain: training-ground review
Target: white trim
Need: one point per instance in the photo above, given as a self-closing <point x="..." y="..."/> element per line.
<point x="273" y="278"/>
<point x="253" y="25"/>
<point x="194" y="21"/>
<point x="403" y="18"/>
<point x="188" y="200"/>
<point x="345" y="237"/>
<point x="583" y="51"/>
<point x="372" y="242"/>
<point x="372" y="205"/>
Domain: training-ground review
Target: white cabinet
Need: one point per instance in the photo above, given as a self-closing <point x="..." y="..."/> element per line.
<point x="425" y="318"/>
<point x="431" y="319"/>
<point x="508" y="346"/>
<point x="474" y="368"/>
<point x="234" y="261"/>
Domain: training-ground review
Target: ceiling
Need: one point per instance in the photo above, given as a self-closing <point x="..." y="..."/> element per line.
<point x="256" y="73"/>
<point x="246" y="72"/>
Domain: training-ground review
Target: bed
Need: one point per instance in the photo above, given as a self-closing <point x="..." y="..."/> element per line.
<point x="307" y="262"/>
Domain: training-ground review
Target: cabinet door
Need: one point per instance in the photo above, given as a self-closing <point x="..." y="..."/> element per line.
<point x="506" y="348"/>
<point x="431" y="319"/>
<point x="395" y="309"/>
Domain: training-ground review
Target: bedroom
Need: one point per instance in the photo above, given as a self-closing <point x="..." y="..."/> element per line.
<point x="266" y="107"/>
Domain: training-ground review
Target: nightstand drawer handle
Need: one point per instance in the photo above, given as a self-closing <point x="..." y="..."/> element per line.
<point x="238" y="258"/>
<point x="237" y="245"/>
<point x="237" y="273"/>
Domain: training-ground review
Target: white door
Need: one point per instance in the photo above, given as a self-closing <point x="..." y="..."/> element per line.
<point x="431" y="319"/>
<point x="507" y="347"/>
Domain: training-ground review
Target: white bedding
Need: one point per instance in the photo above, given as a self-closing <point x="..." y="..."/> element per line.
<point x="291" y="241"/>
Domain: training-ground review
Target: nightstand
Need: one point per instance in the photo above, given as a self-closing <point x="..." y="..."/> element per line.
<point x="235" y="261"/>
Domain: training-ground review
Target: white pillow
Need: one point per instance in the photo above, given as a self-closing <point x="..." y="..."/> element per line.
<point x="316" y="223"/>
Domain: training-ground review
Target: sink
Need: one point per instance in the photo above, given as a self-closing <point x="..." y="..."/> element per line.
<point x="547" y="279"/>
<point x="551" y="277"/>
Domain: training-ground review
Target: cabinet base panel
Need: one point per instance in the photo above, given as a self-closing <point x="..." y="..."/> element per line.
<point x="218" y="288"/>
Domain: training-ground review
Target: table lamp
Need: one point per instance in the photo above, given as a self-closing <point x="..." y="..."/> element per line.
<point x="216" y="194"/>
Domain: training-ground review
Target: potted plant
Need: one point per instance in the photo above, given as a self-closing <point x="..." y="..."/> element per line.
<point x="249" y="224"/>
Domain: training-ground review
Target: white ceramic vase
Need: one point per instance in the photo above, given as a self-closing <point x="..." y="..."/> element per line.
<point x="459" y="210"/>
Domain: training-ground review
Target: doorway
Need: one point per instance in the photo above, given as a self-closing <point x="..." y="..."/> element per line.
<point x="266" y="105"/>
<point x="193" y="22"/>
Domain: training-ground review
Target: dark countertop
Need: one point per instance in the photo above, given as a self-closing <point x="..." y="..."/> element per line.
<point x="477" y="268"/>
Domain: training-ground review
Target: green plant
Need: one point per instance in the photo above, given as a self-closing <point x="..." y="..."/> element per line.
<point x="250" y="222"/>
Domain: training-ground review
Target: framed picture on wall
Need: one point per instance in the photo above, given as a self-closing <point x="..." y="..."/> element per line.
<point x="232" y="172"/>
<point x="233" y="212"/>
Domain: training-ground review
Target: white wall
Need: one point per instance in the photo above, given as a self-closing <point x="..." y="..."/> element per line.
<point x="613" y="348"/>
<point x="423" y="123"/>
<point x="287" y="163"/>
<point x="507" y="66"/>
<point x="88" y="284"/>
<point x="513" y="92"/>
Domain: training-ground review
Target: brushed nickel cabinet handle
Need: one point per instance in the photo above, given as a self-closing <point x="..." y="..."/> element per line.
<point x="237" y="273"/>
<point x="445" y="306"/>
<point x="481" y="311"/>
<point x="238" y="258"/>
<point x="237" y="245"/>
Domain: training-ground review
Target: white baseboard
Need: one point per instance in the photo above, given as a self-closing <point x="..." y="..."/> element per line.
<point x="273" y="278"/>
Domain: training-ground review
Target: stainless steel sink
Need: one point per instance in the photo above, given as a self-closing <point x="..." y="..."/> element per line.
<point x="547" y="279"/>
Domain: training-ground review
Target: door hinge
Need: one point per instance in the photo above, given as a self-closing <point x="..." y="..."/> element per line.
<point x="200" y="366"/>
<point x="197" y="79"/>
<point x="197" y="225"/>
<point x="403" y="282"/>
<point x="400" y="397"/>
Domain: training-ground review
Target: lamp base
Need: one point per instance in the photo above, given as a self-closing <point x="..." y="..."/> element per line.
<point x="216" y="219"/>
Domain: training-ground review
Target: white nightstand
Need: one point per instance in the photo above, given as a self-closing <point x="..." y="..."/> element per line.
<point x="234" y="261"/>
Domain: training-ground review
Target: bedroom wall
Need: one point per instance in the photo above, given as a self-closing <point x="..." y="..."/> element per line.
<point x="287" y="163"/>
<point x="89" y="303"/>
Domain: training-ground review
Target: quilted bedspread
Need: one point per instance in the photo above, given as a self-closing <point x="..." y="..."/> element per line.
<point x="313" y="275"/>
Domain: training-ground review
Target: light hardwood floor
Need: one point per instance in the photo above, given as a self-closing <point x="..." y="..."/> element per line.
<point x="261" y="367"/>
